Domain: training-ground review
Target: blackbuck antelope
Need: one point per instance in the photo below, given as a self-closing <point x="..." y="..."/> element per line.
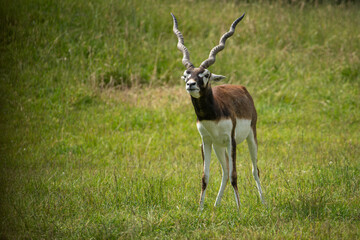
<point x="226" y="116"/>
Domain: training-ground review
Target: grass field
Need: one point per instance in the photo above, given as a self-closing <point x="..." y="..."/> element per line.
<point x="98" y="137"/>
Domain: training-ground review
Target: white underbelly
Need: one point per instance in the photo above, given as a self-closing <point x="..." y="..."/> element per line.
<point x="219" y="133"/>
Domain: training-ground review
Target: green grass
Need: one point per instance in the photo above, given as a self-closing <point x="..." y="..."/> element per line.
<point x="85" y="156"/>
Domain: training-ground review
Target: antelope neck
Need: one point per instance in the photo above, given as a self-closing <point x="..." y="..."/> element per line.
<point x="205" y="106"/>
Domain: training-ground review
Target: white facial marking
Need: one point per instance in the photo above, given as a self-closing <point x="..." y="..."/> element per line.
<point x="205" y="76"/>
<point x="195" y="94"/>
<point x="185" y="76"/>
<point x="192" y="88"/>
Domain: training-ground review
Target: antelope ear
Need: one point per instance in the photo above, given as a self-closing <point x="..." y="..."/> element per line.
<point x="216" y="78"/>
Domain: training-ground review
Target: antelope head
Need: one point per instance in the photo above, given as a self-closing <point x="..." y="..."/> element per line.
<point x="198" y="80"/>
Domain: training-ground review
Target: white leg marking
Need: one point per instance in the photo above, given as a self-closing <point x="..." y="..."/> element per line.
<point x="253" y="153"/>
<point x="205" y="179"/>
<point x="232" y="172"/>
<point x="223" y="159"/>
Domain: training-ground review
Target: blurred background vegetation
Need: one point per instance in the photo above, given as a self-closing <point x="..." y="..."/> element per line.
<point x="98" y="136"/>
<point x="131" y="42"/>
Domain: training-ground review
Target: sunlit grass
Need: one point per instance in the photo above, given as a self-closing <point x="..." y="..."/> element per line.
<point x="84" y="156"/>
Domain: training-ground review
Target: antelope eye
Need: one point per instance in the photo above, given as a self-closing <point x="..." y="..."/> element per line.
<point x="206" y="75"/>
